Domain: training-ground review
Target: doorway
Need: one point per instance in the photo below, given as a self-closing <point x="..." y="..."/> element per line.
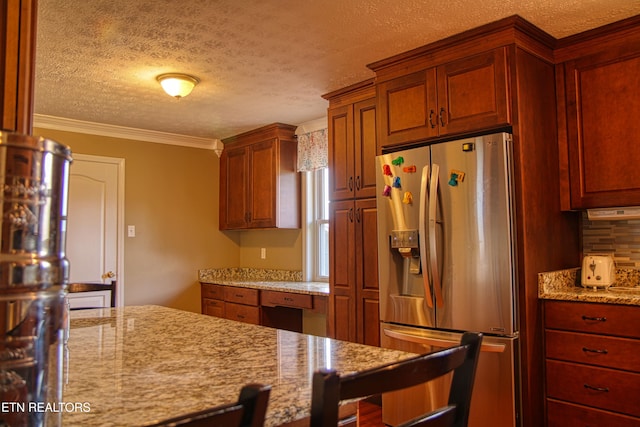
<point x="95" y="226"/>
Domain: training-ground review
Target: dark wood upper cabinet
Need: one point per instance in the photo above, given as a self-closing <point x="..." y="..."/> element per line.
<point x="17" y="72"/>
<point x="456" y="97"/>
<point x="259" y="185"/>
<point x="598" y="104"/>
<point x="352" y="144"/>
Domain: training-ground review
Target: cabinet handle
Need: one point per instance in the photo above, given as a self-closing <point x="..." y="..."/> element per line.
<point x="350" y="183"/>
<point x="351" y="214"/>
<point x="358" y="215"/>
<point x="240" y="316"/>
<point x="590" y="387"/>
<point x="442" y="113"/>
<point x="357" y="182"/>
<point x="595" y="319"/>
<point x="594" y="350"/>
<point x="431" y="114"/>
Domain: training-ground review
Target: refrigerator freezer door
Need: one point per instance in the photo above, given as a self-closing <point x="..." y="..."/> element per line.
<point x="475" y="235"/>
<point x="494" y="402"/>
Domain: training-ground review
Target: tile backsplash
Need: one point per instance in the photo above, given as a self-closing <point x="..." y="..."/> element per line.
<point x="619" y="238"/>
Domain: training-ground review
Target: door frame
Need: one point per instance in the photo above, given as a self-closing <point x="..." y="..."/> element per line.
<point x="120" y="163"/>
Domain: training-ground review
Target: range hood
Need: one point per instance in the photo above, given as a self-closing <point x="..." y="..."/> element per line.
<point x="624" y="213"/>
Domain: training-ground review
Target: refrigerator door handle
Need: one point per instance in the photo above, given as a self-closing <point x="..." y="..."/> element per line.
<point x="439" y="342"/>
<point x="422" y="233"/>
<point x="433" y="256"/>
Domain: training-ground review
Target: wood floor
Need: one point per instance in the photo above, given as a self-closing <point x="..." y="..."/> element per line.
<point x="369" y="415"/>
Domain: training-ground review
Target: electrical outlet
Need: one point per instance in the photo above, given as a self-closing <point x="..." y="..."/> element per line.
<point x="263" y="253"/>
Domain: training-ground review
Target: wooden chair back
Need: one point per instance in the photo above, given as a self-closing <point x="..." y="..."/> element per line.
<point x="330" y="388"/>
<point x="249" y="411"/>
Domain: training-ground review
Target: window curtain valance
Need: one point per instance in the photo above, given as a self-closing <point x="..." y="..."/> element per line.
<point x="312" y="150"/>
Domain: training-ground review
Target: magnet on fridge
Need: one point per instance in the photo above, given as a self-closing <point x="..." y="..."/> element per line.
<point x="387" y="191"/>
<point x="460" y="174"/>
<point x="407" y="199"/>
<point x="453" y="179"/>
<point x="409" y="169"/>
<point x="386" y="170"/>
<point x="396" y="182"/>
<point x="398" y="161"/>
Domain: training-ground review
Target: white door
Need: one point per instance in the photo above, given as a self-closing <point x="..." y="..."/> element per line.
<point x="95" y="221"/>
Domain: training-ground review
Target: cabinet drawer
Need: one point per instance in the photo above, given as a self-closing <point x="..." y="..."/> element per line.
<point x="212" y="291"/>
<point x="286" y="299"/>
<point x="241" y="295"/>
<point x="562" y="414"/>
<point x="242" y="313"/>
<point x="607" y="319"/>
<point x="619" y="353"/>
<point x="593" y="386"/>
<point x="213" y="307"/>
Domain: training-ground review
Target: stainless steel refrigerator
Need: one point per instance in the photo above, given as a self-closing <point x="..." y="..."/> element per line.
<point x="447" y="265"/>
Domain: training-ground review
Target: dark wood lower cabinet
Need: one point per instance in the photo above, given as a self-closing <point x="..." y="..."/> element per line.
<point x="592" y="370"/>
<point x="353" y="272"/>
<point x="276" y="309"/>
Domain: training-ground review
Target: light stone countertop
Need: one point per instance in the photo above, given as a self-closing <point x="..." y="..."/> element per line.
<point x="136" y="365"/>
<point x="564" y="285"/>
<point x="310" y="288"/>
<point x="266" y="279"/>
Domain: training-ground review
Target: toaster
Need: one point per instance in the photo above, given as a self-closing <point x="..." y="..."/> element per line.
<point x="598" y="271"/>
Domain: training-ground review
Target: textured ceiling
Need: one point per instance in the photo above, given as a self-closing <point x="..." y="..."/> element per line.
<point x="259" y="61"/>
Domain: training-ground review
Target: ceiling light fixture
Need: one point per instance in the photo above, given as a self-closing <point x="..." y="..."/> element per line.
<point x="177" y="85"/>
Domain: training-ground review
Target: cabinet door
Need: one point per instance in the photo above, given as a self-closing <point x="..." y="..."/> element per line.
<point x="342" y="307"/>
<point x="364" y="114"/>
<point x="407" y="108"/>
<point x="603" y="100"/>
<point x="473" y="93"/>
<point x="234" y="176"/>
<point x="366" y="234"/>
<point x="263" y="184"/>
<point x="341" y="162"/>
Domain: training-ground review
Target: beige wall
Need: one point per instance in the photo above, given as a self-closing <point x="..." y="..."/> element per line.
<point x="171" y="196"/>
<point x="283" y="249"/>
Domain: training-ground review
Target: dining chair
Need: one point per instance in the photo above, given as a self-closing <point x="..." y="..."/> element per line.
<point x="249" y="411"/>
<point x="330" y="388"/>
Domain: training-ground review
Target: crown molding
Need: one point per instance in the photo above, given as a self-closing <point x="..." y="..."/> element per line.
<point x="92" y="128"/>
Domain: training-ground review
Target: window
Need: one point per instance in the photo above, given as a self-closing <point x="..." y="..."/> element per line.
<point x="321" y="219"/>
<point x="316" y="239"/>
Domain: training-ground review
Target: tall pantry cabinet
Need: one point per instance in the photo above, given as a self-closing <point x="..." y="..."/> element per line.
<point x="353" y="266"/>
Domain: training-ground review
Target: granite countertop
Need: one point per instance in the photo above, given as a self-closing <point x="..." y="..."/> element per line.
<point x="272" y="280"/>
<point x="136" y="365"/>
<point x="565" y="285"/>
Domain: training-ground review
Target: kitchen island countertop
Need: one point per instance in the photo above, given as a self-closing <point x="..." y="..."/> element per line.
<point x="136" y="365"/>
